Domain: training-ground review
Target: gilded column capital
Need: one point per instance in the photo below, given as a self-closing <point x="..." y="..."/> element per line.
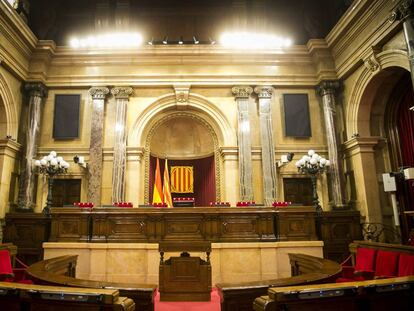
<point x="122" y="92"/>
<point x="328" y="87"/>
<point x="99" y="92"/>
<point x="402" y="11"/>
<point x="242" y="91"/>
<point x="264" y="91"/>
<point x="36" y="89"/>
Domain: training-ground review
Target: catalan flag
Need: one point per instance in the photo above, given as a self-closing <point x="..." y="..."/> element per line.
<point x="182" y="179"/>
<point x="166" y="187"/>
<point x="157" y="195"/>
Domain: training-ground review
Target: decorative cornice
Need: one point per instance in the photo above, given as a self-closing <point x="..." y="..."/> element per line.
<point x="328" y="87"/>
<point x="122" y="92"/>
<point x="264" y="91"/>
<point x="402" y="11"/>
<point x="99" y="92"/>
<point x="36" y="89"/>
<point x="242" y="91"/>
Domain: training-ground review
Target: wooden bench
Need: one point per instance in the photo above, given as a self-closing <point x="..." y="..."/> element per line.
<point x="378" y="295"/>
<point x="60" y="271"/>
<point x="306" y="269"/>
<point x="20" y="297"/>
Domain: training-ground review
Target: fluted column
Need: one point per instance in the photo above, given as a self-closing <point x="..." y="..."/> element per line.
<point x="95" y="149"/>
<point x="327" y="91"/>
<point x="119" y="165"/>
<point x="242" y="94"/>
<point x="268" y="150"/>
<point x="36" y="91"/>
<point x="404" y="12"/>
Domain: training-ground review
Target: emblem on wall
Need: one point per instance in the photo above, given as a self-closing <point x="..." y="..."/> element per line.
<point x="182" y="179"/>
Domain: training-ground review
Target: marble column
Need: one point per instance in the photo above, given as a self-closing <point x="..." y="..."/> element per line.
<point x="95" y="149"/>
<point x="268" y="150"/>
<point x="326" y="90"/>
<point x="404" y="12"/>
<point x="119" y="164"/>
<point x="36" y="91"/>
<point x="242" y="94"/>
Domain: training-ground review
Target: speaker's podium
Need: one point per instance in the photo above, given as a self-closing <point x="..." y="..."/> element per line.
<point x="185" y="278"/>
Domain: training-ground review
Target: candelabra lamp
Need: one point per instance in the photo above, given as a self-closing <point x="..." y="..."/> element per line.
<point x="313" y="165"/>
<point x="50" y="166"/>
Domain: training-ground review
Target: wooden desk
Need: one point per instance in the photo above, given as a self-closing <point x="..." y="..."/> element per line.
<point x="185" y="278"/>
<point x="151" y="225"/>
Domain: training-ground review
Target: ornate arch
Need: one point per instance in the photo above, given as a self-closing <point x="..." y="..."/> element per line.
<point x="180" y="114"/>
<point x="224" y="132"/>
<point x="9" y="102"/>
<point x="360" y="101"/>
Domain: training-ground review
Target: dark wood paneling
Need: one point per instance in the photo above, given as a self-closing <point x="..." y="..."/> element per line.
<point x="249" y="224"/>
<point x="339" y="229"/>
<point x="66" y="191"/>
<point x="298" y="190"/>
<point x="27" y="231"/>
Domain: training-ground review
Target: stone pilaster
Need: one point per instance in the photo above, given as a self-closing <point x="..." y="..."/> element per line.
<point x="327" y="90"/>
<point x="119" y="164"/>
<point x="404" y="12"/>
<point x="268" y="150"/>
<point x="95" y="149"/>
<point x="242" y="94"/>
<point x="36" y="92"/>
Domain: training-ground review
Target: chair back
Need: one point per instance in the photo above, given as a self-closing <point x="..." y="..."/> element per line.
<point x="6" y="268"/>
<point x="365" y="259"/>
<point x="406" y="265"/>
<point x="386" y="264"/>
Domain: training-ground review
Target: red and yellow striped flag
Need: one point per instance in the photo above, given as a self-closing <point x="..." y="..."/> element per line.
<point x="182" y="179"/>
<point x="157" y="195"/>
<point x="166" y="188"/>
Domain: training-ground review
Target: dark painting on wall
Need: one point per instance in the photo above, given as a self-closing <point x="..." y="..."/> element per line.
<point x="297" y="119"/>
<point x="66" y="116"/>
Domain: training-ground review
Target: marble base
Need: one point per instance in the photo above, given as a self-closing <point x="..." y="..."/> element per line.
<point x="138" y="262"/>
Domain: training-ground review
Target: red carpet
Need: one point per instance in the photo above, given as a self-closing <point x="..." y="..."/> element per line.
<point x="213" y="305"/>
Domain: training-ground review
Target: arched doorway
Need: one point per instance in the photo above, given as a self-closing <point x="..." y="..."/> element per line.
<point x="186" y="140"/>
<point x="399" y="127"/>
<point x="384" y="113"/>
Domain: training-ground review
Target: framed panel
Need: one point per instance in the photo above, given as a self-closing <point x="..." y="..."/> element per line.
<point x="66" y="116"/>
<point x="297" y="118"/>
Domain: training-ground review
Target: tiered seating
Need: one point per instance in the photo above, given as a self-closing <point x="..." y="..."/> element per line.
<point x="15" y="296"/>
<point x="378" y="260"/>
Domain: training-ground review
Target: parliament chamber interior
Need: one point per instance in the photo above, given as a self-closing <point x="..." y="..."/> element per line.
<point x="191" y="155"/>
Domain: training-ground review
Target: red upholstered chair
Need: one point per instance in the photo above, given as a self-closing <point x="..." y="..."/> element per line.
<point x="364" y="266"/>
<point x="406" y="265"/>
<point x="10" y="274"/>
<point x="386" y="264"/>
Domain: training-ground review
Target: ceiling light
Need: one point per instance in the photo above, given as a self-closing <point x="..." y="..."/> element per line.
<point x="110" y="40"/>
<point x="165" y="40"/>
<point x="195" y="40"/>
<point x="248" y="40"/>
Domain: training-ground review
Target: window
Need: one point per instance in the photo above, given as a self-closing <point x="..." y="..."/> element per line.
<point x="297" y="119"/>
<point x="66" y="117"/>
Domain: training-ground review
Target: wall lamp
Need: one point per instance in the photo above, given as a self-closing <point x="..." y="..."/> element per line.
<point x="165" y="40"/>
<point x="285" y="159"/>
<point x="195" y="40"/>
<point x="80" y="161"/>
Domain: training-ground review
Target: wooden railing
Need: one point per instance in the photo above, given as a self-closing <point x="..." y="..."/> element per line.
<point x="378" y="295"/>
<point x="60" y="271"/>
<point x="306" y="269"/>
<point x="15" y="296"/>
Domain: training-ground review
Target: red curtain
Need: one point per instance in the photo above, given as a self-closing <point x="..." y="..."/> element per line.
<point x="405" y="123"/>
<point x="204" y="178"/>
